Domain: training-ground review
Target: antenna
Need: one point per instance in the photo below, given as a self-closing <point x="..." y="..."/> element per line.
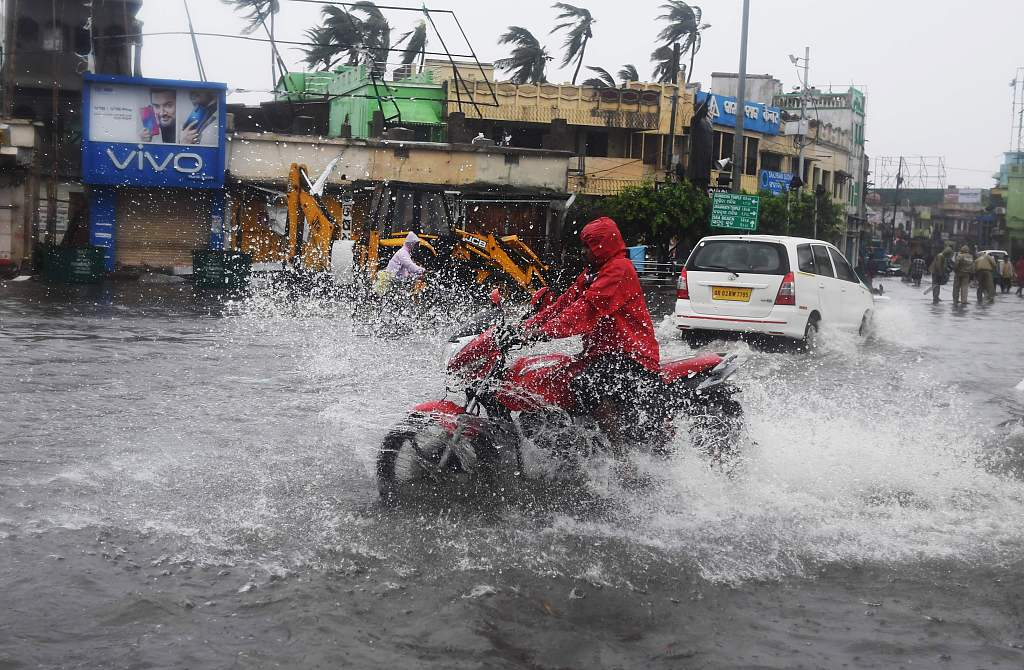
<point x="195" y="44"/>
<point x="1017" y="115"/>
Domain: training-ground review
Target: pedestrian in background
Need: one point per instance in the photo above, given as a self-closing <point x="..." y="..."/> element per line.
<point x="938" y="270"/>
<point x="1020" y="275"/>
<point x="1007" y="275"/>
<point x="917" y="270"/>
<point x="984" y="266"/>
<point x="963" y="266"/>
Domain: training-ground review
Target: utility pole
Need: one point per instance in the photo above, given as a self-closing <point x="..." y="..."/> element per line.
<point x="803" y="119"/>
<point x="895" y="204"/>
<point x="738" y="145"/>
<point x="9" y="73"/>
<point x="675" y="104"/>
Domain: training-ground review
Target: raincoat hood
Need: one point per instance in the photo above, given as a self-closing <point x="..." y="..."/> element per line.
<point x="604" y="240"/>
<point x="965" y="250"/>
<point x="411" y="240"/>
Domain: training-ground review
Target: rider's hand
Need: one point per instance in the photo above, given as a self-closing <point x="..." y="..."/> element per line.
<point x="507" y="337"/>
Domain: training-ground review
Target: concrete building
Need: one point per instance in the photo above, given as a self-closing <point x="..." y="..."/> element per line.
<point x="46" y="46"/>
<point x="352" y="95"/>
<point x="835" y="122"/>
<point x="501" y="190"/>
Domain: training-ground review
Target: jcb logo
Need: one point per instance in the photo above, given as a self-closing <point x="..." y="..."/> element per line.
<point x="476" y="242"/>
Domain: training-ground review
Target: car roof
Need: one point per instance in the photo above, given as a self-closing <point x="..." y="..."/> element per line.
<point x="781" y="239"/>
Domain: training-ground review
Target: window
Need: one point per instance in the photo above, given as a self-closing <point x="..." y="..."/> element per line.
<point x="804" y="258"/>
<point x="723" y="145"/>
<point x="771" y="161"/>
<point x="750" y="145"/>
<point x="843" y="269"/>
<point x="764" y="258"/>
<point x="823" y="264"/>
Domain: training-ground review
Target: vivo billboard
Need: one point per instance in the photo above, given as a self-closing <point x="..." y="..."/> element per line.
<point x="153" y="132"/>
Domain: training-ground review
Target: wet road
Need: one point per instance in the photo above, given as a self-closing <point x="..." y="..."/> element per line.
<point x="189" y="484"/>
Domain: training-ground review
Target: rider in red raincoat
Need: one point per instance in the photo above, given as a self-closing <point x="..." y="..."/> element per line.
<point x="605" y="304"/>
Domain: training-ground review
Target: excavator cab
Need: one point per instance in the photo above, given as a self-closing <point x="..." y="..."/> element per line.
<point x="439" y="218"/>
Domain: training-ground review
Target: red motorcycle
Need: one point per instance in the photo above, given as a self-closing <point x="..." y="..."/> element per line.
<point x="507" y="405"/>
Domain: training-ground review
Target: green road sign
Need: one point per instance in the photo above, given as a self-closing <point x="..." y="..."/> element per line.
<point x="731" y="210"/>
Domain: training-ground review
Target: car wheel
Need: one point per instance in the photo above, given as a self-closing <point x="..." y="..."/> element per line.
<point x="810" y="341"/>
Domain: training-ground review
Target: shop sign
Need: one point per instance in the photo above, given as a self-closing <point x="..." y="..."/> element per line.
<point x="759" y="118"/>
<point x="969" y="196"/>
<point x="153" y="132"/>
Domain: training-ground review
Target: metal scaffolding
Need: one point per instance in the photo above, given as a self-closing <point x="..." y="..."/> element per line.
<point x="906" y="172"/>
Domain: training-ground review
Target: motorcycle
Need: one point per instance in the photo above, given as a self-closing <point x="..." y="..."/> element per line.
<point x="509" y="403"/>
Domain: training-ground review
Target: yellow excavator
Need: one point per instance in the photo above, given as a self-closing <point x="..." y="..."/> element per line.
<point x="315" y="222"/>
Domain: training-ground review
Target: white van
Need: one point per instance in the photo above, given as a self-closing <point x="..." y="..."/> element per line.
<point x="770" y="285"/>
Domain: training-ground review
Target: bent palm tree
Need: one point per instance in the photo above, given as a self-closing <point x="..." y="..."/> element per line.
<point x="684" y="27"/>
<point x="604" y="78"/>
<point x="528" y="60"/>
<point x="628" y="73"/>
<point x="580" y="30"/>
<point x="255" y="11"/>
<point x="354" y="39"/>
<point x="416" y="45"/>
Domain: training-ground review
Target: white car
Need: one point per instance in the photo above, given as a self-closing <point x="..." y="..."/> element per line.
<point x="770" y="285"/>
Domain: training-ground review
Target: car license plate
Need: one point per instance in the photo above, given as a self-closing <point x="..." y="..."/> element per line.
<point x="730" y="293"/>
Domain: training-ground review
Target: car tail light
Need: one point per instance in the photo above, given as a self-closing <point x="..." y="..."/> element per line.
<point x="787" y="291"/>
<point x="682" y="288"/>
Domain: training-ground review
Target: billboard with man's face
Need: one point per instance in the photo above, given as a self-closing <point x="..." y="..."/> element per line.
<point x="144" y="132"/>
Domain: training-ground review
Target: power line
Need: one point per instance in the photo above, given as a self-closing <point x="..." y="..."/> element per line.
<point x="251" y="38"/>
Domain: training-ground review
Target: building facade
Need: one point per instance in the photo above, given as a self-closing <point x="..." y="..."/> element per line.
<point x="834" y="132"/>
<point x="46" y="46"/>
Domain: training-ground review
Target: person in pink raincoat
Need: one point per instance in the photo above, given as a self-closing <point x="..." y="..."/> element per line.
<point x="401" y="265"/>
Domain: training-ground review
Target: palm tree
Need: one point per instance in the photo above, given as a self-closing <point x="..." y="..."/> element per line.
<point x="663" y="69"/>
<point x="684" y="28"/>
<point x="628" y="73"/>
<point x="416" y="45"/>
<point x="354" y="39"/>
<point x="255" y="11"/>
<point x="580" y="30"/>
<point x="528" y="59"/>
<point x="604" y="78"/>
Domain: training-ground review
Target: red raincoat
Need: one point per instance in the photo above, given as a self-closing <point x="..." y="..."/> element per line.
<point x="608" y="309"/>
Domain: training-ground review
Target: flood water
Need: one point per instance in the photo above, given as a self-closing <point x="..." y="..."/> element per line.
<point x="186" y="483"/>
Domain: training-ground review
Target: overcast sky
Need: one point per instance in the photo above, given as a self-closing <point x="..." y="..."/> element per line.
<point x="921" y="62"/>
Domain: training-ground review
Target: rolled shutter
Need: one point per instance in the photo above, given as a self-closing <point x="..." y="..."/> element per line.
<point x="160" y="227"/>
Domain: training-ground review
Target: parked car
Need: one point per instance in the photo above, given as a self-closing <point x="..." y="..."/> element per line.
<point x="769" y="285"/>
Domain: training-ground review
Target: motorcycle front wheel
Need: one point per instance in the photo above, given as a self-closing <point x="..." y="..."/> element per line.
<point x="409" y="459"/>
<point x="715" y="428"/>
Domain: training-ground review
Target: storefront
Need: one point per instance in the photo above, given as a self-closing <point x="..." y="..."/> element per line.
<point x="153" y="156"/>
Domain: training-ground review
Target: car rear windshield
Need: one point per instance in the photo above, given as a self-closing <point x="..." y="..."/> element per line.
<point x="763" y="258"/>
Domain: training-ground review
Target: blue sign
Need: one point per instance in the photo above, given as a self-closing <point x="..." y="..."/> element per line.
<point x="760" y="118"/>
<point x="153" y="132"/>
<point x="775" y="182"/>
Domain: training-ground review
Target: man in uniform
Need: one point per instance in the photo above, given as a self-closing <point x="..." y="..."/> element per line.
<point x="984" y="266"/>
<point x="938" y="270"/>
<point x="963" y="266"/>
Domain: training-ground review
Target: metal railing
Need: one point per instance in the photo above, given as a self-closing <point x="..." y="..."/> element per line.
<point x="654" y="273"/>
